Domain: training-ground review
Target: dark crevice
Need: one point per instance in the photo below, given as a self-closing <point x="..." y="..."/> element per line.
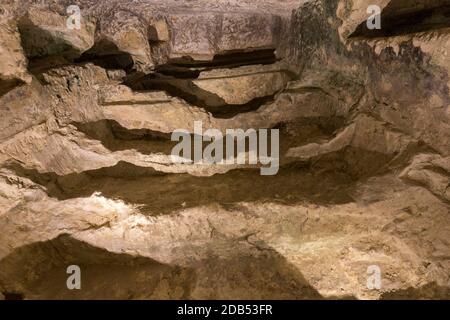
<point x="13" y="296"/>
<point x="163" y="193"/>
<point x="8" y="85"/>
<point x="108" y="56"/>
<point x="408" y="16"/>
<point x="188" y="68"/>
<point x="143" y="277"/>
<point x="231" y="59"/>
<point x="38" y="66"/>
<point x="231" y="110"/>
<point x="116" y="138"/>
<point x="109" y="61"/>
<point x="179" y="72"/>
<point x="101" y="275"/>
<point x="38" y="43"/>
<point x="326" y="180"/>
<point x="184" y="88"/>
<point x="176" y="77"/>
<point x="43" y="50"/>
<point x="113" y="128"/>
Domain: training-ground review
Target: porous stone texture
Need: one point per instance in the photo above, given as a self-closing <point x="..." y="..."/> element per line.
<point x="87" y="178"/>
<point x="13" y="69"/>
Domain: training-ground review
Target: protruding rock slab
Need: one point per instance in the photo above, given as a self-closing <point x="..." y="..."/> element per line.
<point x="201" y="36"/>
<point x="45" y="33"/>
<point x="13" y="63"/>
<point x="431" y="171"/>
<point x="242" y="85"/>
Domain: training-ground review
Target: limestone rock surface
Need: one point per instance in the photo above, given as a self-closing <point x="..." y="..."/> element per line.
<point x="87" y="177"/>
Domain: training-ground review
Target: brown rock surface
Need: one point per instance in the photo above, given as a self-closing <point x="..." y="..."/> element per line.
<point x="87" y="178"/>
<point x="13" y="70"/>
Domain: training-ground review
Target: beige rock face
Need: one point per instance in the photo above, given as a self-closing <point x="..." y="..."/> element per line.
<point x="87" y="177"/>
<point x="198" y="31"/>
<point x="22" y="108"/>
<point x="13" y="70"/>
<point x="46" y="34"/>
<point x="200" y="38"/>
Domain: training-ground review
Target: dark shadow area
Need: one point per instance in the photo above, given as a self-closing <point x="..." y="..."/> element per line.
<point x="243" y="270"/>
<point x="164" y="193"/>
<point x="176" y="77"/>
<point x="13" y="296"/>
<point x="108" y="56"/>
<point x="6" y="86"/>
<point x="117" y="138"/>
<point x="43" y="49"/>
<point x="186" y="67"/>
<point x="430" y="291"/>
<point x="41" y="270"/>
<point x="401" y="17"/>
<point x="230" y="59"/>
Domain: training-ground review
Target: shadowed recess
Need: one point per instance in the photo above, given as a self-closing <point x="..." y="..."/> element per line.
<point x="408" y="16"/>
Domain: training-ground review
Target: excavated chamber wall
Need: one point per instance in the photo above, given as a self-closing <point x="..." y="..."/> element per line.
<point x="86" y="176"/>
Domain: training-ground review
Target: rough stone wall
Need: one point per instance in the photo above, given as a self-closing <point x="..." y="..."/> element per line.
<point x="86" y="176"/>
